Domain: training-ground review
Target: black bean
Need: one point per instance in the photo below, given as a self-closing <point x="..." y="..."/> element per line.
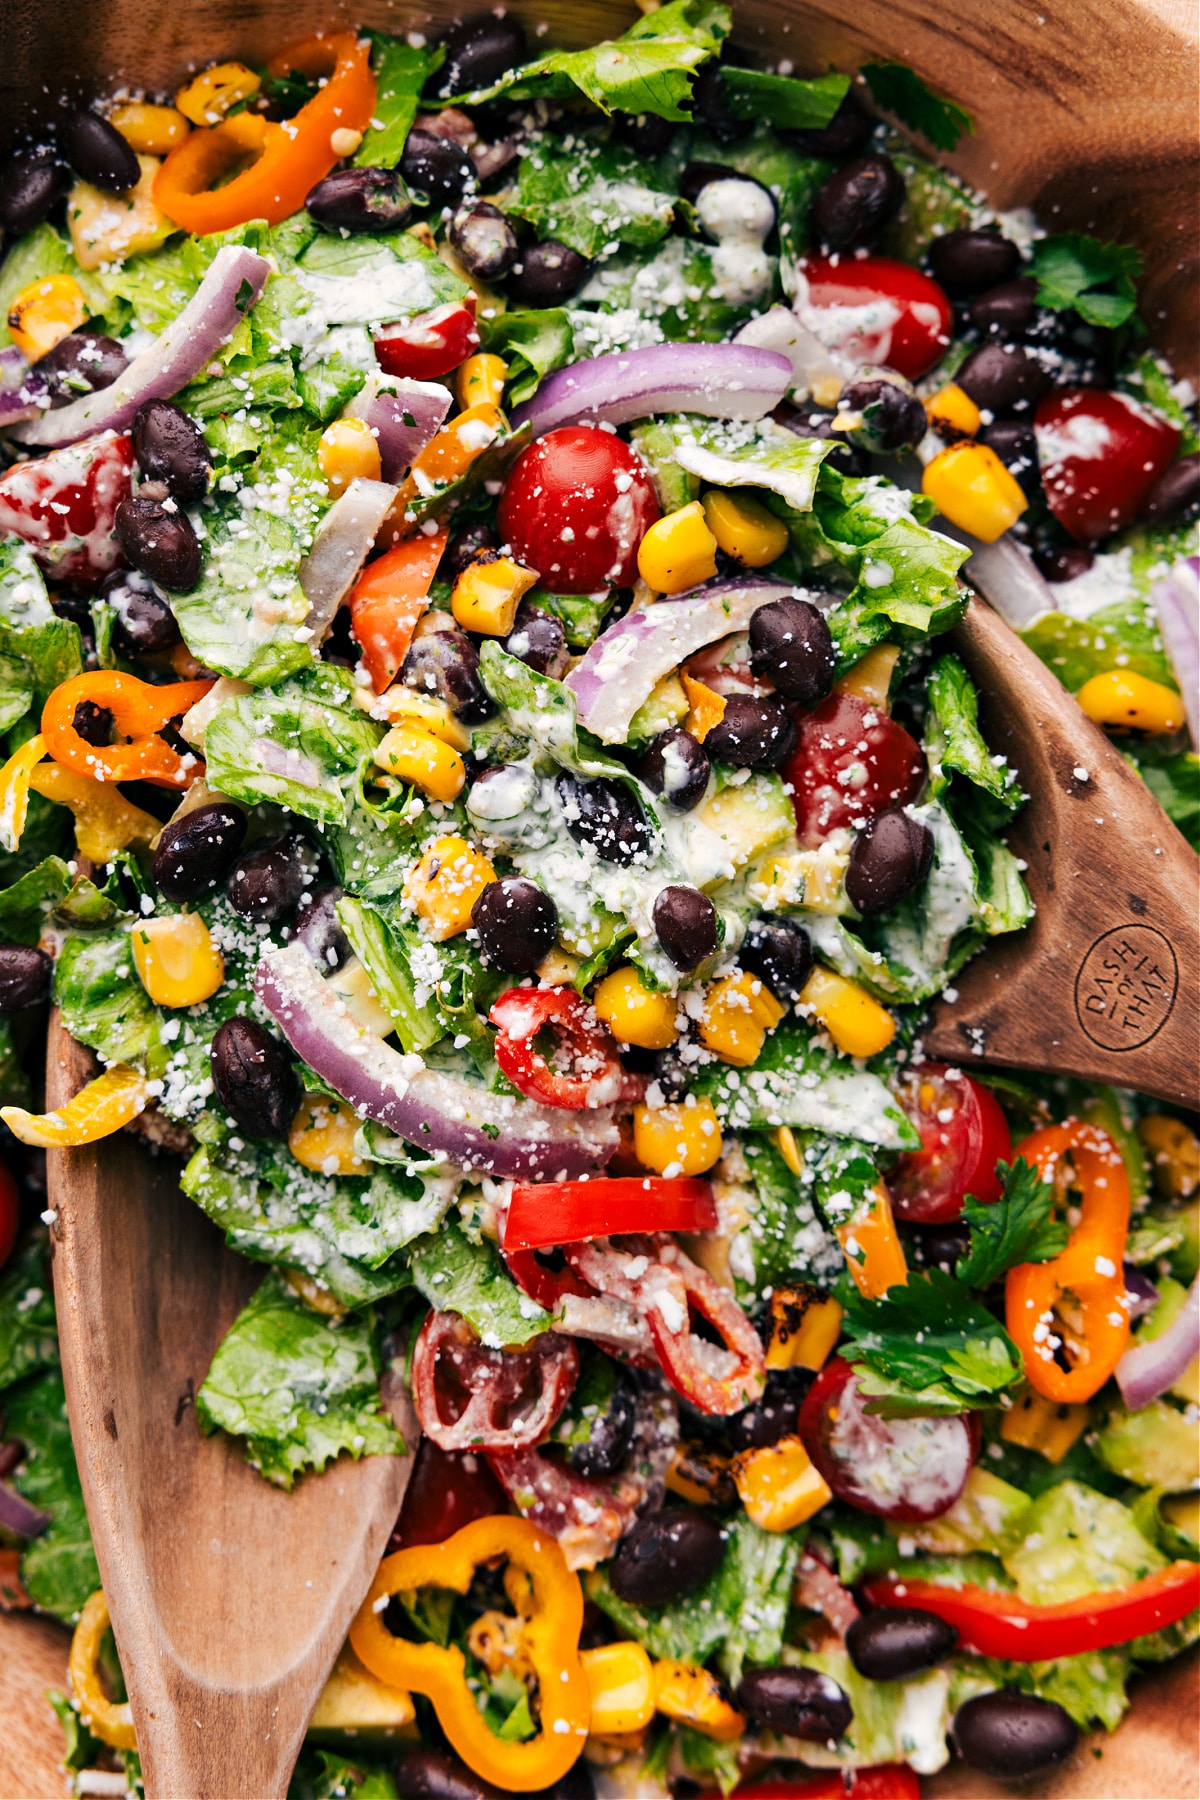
<point x="436" y="170"/>
<point x="1006" y="311"/>
<point x="890" y="858"/>
<point x="710" y="109"/>
<point x="465" y="546"/>
<point x="144" y="624"/>
<point x="267" y="884"/>
<point x="1015" y="445"/>
<point x="644" y="133"/>
<point x="442" y="661"/>
<point x="436" y="1775"/>
<point x="170" y="447"/>
<point x="800" y="1703"/>
<point x="1009" y="1735"/>
<point x="360" y="200"/>
<point x="1004" y="379"/>
<point x="548" y="273"/>
<point x="685" y="921"/>
<point x="697" y="175"/>
<point x="98" y="153"/>
<point x="892" y="417"/>
<point x="30" y="185"/>
<point x="1175" y="496"/>
<point x="94" y="724"/>
<point x="667" y="1554"/>
<point x="611" y="1435"/>
<point x="517" y="922"/>
<point x="847" y="133"/>
<point x="254" y="1078"/>
<point x="576" y="1784"/>
<point x="941" y="1246"/>
<point x="1064" y="562"/>
<point x="195" y="851"/>
<point x="753" y="734"/>
<point x="479" y="50"/>
<point x="158" y="539"/>
<point x="777" y="949"/>
<point x="676" y="766"/>
<point x="604" y="814"/>
<point x="81" y="363"/>
<point x="319" y="929"/>
<point x="485" y="241"/>
<point x="790" y="645"/>
<point x="24" y="976"/>
<point x="814" y="421"/>
<point x="895" y="1642"/>
<point x="775" y="1414"/>
<point x="975" y="257"/>
<point x="538" y="640"/>
<point x="854" y="204"/>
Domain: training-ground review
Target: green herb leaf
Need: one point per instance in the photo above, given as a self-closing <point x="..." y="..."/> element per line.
<point x="59" y="1568"/>
<point x="1094" y="278"/>
<point x="1018" y="1228"/>
<point x="533" y="344"/>
<point x="933" y="1336"/>
<point x="782" y="99"/>
<point x="900" y="91"/>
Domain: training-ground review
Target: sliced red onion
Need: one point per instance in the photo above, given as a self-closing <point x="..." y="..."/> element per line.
<point x="721" y="381"/>
<point x="1177" y="603"/>
<point x="235" y="279"/>
<point x="1140" y="1292"/>
<point x="403" y="414"/>
<point x="1150" y="1368"/>
<point x="18" y="1515"/>
<point x="627" y="661"/>
<point x="496" y="1133"/>
<point x="343" y="542"/>
<point x="815" y="368"/>
<point x="1007" y="578"/>
<point x="23" y="392"/>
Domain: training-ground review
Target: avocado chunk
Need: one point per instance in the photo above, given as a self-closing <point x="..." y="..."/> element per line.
<point x="749" y="818"/>
<point x="1156" y="1447"/>
<point x="357" y="1703"/>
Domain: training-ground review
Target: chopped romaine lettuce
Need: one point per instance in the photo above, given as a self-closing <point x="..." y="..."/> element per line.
<point x="954" y="744"/>
<point x="590" y="195"/>
<point x="461" y="1276"/>
<point x="894" y="1721"/>
<point x="301" y="744"/>
<point x="533" y="344"/>
<point x="401" y="70"/>
<point x="757" y="455"/>
<point x="783" y="1234"/>
<point x="782" y="100"/>
<point x="47" y="649"/>
<point x="28" y="1339"/>
<point x="58" y="1568"/>
<point x="1076" y="1542"/>
<point x="680" y="290"/>
<point x="103" y="1003"/>
<point x="797" y="1082"/>
<point x="25" y="906"/>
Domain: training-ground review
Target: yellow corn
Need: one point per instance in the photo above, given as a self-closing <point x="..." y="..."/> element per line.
<point x="207" y="99"/>
<point x="16" y="779"/>
<point x="558" y="968"/>
<point x="744" y="528"/>
<point x="789" y="1149"/>
<point x="953" y="412"/>
<point x="701" y="1476"/>
<point x="355" y="1700"/>
<point x="347" y="450"/>
<point x="678" y="552"/>
<point x="738" y="1013"/>
<point x="96" y="1111"/>
<point x="111" y="1722"/>
<point x="405" y="706"/>
<point x="633" y="1014"/>
<point x="1047" y="1426"/>
<point x="106" y="228"/>
<point x="177" y="962"/>
<point x="445" y="885"/>
<point x="873" y="1251"/>
<point x="972" y="488"/>
<point x="1173" y="1150"/>
<point x="683" y="1139"/>
<point x="854" y="1019"/>
<point x="497" y="1640"/>
<point x="779" y="1486"/>
<point x="481" y="378"/>
<point x="322" y="1136"/>
<point x="1125" y="701"/>
<point x="706" y="708"/>
<point x="692" y="1696"/>
<point x="870" y="679"/>
<point x="487" y="594"/>
<point x="150" y="130"/>
<point x="44" y="313"/>
<point x="317" y="1298"/>
<point x="621" y="1683"/>
<point x="105" y="821"/>
<point x="805" y="1325"/>
<point x="428" y="762"/>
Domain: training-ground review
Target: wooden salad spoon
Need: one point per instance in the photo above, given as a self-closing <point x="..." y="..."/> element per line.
<point x="229" y="1598"/>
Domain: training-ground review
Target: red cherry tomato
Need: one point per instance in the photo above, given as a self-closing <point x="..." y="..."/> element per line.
<point x="1099" y="455"/>
<point x="10" y="1214"/>
<point x="575" y="507"/>
<point x="447" y="1489"/>
<point x="964" y="1135"/>
<point x="876" y="310"/>
<point x="64" y="505"/>
<point x="431" y="344"/>
<point x="851" y="761"/>
<point x="887" y="1781"/>
<point x="908" y="1469"/>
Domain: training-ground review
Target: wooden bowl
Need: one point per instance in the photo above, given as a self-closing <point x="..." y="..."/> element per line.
<point x="1086" y="112"/>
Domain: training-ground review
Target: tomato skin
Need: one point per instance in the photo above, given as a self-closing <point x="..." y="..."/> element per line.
<point x="829" y="741"/>
<point x="911" y="330"/>
<point x="1099" y="454"/>
<point x="958" y="1156"/>
<point x="63" y="505"/>
<point x="10" y="1214"/>
<point x="575" y="507"/>
<point x="882" y="1466"/>
<point x="447" y="1490"/>
<point x="431" y="344"/>
<point x="887" y="1781"/>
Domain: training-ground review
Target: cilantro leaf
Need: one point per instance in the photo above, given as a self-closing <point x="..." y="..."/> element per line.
<point x="933" y="1341"/>
<point x="1096" y="279"/>
<point x="900" y="90"/>
<point x="1018" y="1228"/>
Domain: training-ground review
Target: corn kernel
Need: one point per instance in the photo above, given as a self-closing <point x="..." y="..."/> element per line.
<point x="872" y="1248"/>
<point x="678" y="552"/>
<point x="44" y="313"/>
<point x="789" y="1149"/>
<point x="972" y="488"/>
<point x="701" y="1476"/>
<point x="445" y="885"/>
<point x="854" y="1019"/>
<point x="315" y="1296"/>
<point x="354" y="1700"/>
<point x="108" y="228"/>
<point x="621" y="1683"/>
<point x="953" y="412"/>
<point x="177" y="962"/>
<point x="481" y="378"/>
<point x="1173" y="1150"/>
<point x="1125" y="701"/>
<point x="487" y="594"/>
<point x="683" y="1139"/>
<point x="738" y="1012"/>
<point x="779" y="1486"/>
<point x="744" y="528"/>
<point x="150" y="130"/>
<point x="692" y="1696"/>
<point x="558" y="968"/>
<point x="347" y="451"/>
<point x="405" y="706"/>
<point x="706" y="708"/>
<point x="426" y="761"/>
<point x="805" y="1325"/>
<point x="207" y="99"/>
<point x="497" y="1640"/>
<point x="633" y="1014"/>
<point x="345" y="140"/>
<point x="1047" y="1426"/>
<point x="322" y="1136"/>
<point x="870" y="678"/>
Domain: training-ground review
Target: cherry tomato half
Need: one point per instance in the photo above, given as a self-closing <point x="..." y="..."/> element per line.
<point x="431" y="344"/>
<point x="1099" y="455"/>
<point x="964" y="1135"/>
<point x="887" y="1781"/>
<point x="575" y="507"/>
<point x="10" y="1214"/>
<point x="447" y="1490"/>
<point x="876" y="310"/>
<point x="851" y="761"/>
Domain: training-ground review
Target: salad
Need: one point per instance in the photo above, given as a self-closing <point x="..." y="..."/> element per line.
<point x="486" y="775"/>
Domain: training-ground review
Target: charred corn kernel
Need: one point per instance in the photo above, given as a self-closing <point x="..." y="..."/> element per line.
<point x="481" y="378"/>
<point x="953" y="411"/>
<point x="322" y="1136"/>
<point x="110" y="1721"/>
<point x="445" y="885"/>
<point x="355" y="1700"/>
<point x="701" y="1476"/>
<point x="177" y="962"/>
<point x="150" y="130"/>
<point x="779" y="1486"/>
<point x="692" y="1696"/>
<point x="738" y="1013"/>
<point x="1125" y="701"/>
<point x="497" y="1640"/>
<point x="870" y="678"/>
<point x="96" y="1111"/>
<point x="1183" y="1512"/>
<point x="972" y="488"/>
<point x="16" y="779"/>
<point x="207" y="99"/>
<point x="706" y="708"/>
<point x="744" y="528"/>
<point x="621" y="1683"/>
<point x="105" y="821"/>
<point x="872" y="1248"/>
<point x="348" y="450"/>
<point x="789" y="1149"/>
<point x="106" y="228"/>
<point x="1047" y="1426"/>
<point x="678" y="552"/>
<point x="805" y="1325"/>
<point x="854" y="1019"/>
<point x="315" y="1297"/>
<point x="633" y="1014"/>
<point x="44" y="313"/>
<point x="683" y="1139"/>
<point x="405" y="706"/>
<point x="1173" y="1150"/>
<point x="487" y="594"/>
<point x="426" y="761"/>
<point x="352" y="984"/>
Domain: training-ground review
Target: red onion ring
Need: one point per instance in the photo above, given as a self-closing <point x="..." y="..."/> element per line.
<point x="1150" y="1368"/>
<point x="720" y="381"/>
<point x="18" y="1515"/>
<point x="403" y="414"/>
<point x="23" y="392"/>
<point x="342" y="544"/>
<point x="1177" y="603"/>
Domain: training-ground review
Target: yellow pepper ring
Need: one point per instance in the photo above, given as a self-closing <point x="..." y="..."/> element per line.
<point x="108" y="1720"/>
<point x="551" y="1640"/>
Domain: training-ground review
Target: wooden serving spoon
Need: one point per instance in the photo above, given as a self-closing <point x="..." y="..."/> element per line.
<point x="229" y="1598"/>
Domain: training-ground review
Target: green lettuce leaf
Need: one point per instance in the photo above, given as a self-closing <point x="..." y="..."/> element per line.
<point x="32" y="257"/>
<point x="59" y="1568"/>
<point x="1078" y="1542"/>
<point x="900" y="91"/>
<point x="784" y="1235"/>
<point x="47" y="649"/>
<point x="1018" y="1228"/>
<point x="383" y="953"/>
<point x="25" y="905"/>
<point x="675" y="291"/>
<point x="782" y="100"/>
<point x="456" y="1275"/>
<point x="1091" y="1688"/>
<point x="894" y="1721"/>
<point x="953" y="742"/>
<point x="592" y="197"/>
<point x="103" y="1003"/>
<point x="326" y="1775"/>
<point x="1173" y="777"/>
<point x="533" y="344"/>
<point x="796" y="1082"/>
<point x="932" y="1336"/>
<point x="380" y="837"/>
<point x="28" y="1336"/>
<point x="16" y="691"/>
<point x="758" y="455"/>
<point x="300" y="745"/>
<point x="1095" y="279"/>
<point x="1077" y="649"/>
<point x="400" y="71"/>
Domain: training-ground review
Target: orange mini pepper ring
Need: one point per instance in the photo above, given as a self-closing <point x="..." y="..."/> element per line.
<point x="139" y="711"/>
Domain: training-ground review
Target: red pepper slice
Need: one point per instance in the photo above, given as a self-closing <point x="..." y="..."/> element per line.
<point x="542" y="1283"/>
<point x="431" y="344"/>
<point x="545" y="1213"/>
<point x="469" y="1396"/>
<point x="888" y="1781"/>
<point x="998" y="1624"/>
<point x="596" y="1078"/>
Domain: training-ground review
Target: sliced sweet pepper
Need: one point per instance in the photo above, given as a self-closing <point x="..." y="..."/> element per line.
<point x="97" y="1110"/>
<point x="139" y="712"/>
<point x="105" y="821"/>
<point x="110" y="1721"/>
<point x="389" y="597"/>
<point x="15" y="778"/>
